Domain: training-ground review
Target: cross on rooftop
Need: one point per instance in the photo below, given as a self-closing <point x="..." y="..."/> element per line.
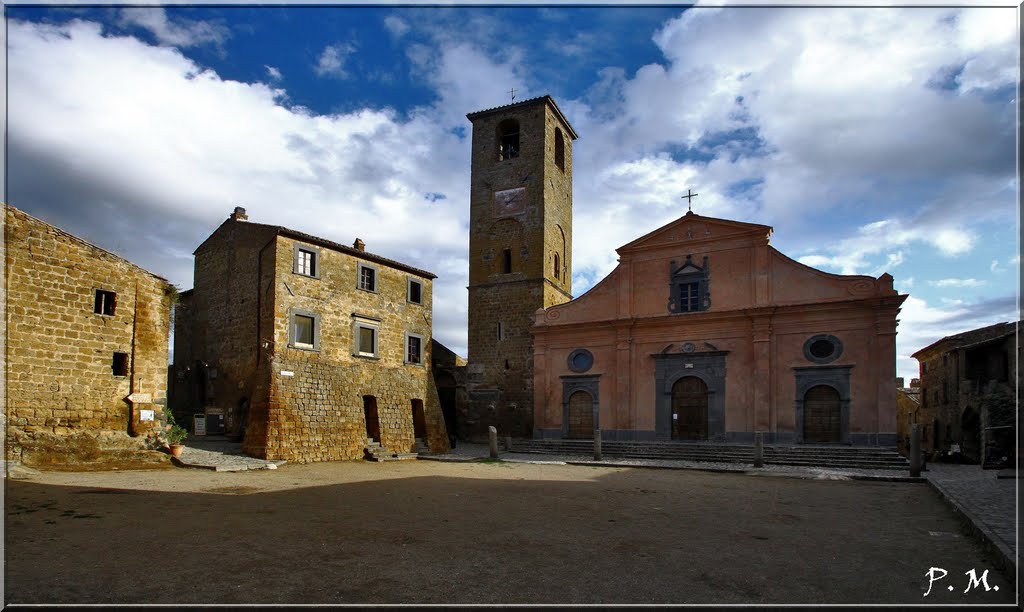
<point x="689" y="198"/>
<point x="513" y="93"/>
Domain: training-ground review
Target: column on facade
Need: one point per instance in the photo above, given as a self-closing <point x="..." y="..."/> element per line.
<point x="625" y="411"/>
<point x="761" y="335"/>
<point x="885" y="339"/>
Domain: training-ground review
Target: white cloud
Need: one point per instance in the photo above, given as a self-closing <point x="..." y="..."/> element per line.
<point x="273" y="73"/>
<point x="332" y="60"/>
<point x="397" y="26"/>
<point x="179" y="32"/>
<point x="957" y="282"/>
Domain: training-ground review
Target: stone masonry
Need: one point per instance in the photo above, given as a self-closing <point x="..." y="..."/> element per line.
<point x="86" y="330"/>
<point x="520" y="255"/>
<point x="307" y="401"/>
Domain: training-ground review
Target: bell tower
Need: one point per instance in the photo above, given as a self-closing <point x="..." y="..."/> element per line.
<point x="520" y="255"/>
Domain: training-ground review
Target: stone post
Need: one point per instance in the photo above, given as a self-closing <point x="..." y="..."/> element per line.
<point x="597" y="445"/>
<point x="508" y="443"/>
<point x="492" y="433"/>
<point x="915" y="450"/>
<point x="759" y="449"/>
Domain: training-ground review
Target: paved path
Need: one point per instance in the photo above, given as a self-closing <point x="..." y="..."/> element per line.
<point x="986" y="503"/>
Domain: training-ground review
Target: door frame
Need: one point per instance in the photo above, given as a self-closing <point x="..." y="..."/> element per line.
<point x="837" y="377"/>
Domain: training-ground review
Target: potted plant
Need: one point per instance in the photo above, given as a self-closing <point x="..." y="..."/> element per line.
<point x="175" y="435"/>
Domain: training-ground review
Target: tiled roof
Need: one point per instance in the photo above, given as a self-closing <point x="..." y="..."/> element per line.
<point x="972" y="337"/>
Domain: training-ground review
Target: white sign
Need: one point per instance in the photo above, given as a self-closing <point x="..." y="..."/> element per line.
<point x="199" y="424"/>
<point x="287" y="373"/>
<point x="675" y="417"/>
<point x="140" y="398"/>
<point x="145" y="415"/>
<point x="688" y="365"/>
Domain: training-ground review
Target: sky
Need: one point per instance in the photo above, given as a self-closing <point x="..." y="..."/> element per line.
<point x="872" y="139"/>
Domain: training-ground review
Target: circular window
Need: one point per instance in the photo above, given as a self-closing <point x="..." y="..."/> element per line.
<point x="580" y="360"/>
<point x="823" y="348"/>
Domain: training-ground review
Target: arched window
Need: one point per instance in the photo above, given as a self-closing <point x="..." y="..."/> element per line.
<point x="558" y="267"/>
<point x="508" y="139"/>
<point x="559" y="149"/>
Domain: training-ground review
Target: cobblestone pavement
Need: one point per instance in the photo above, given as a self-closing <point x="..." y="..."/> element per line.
<point x="987" y="503"/>
<point x="219" y="454"/>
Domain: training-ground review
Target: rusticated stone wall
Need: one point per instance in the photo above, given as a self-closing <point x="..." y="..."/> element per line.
<point x="65" y="401"/>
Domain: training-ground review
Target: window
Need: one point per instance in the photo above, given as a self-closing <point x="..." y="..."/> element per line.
<point x="303" y="330"/>
<point x="688" y="287"/>
<point x="558" y="271"/>
<point x="823" y="348"/>
<point x="559" y="149"/>
<point x="501" y="331"/>
<point x="367" y="278"/>
<point x="924" y="367"/>
<point x="506" y="261"/>
<point x="508" y="139"/>
<point x="413" y="349"/>
<point x="105" y="302"/>
<point x="365" y="331"/>
<point x="415" y="295"/>
<point x="307" y="261"/>
<point x="119" y="364"/>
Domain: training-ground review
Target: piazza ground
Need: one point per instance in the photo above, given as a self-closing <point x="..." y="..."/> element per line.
<point x="434" y="532"/>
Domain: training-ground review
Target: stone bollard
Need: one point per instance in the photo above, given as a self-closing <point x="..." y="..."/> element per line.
<point x="915" y="451"/>
<point x="508" y="443"/>
<point x="597" y="445"/>
<point x="759" y="449"/>
<point x="492" y="433"/>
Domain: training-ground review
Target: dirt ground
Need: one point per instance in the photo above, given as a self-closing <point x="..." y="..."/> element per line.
<point x="481" y="533"/>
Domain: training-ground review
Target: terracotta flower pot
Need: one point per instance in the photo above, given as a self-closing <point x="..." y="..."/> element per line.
<point x="176" y="449"/>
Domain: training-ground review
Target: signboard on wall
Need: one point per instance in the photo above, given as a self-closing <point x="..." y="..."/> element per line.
<point x="199" y="424"/>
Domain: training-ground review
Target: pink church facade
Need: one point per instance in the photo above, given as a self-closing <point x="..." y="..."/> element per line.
<point x="706" y="332"/>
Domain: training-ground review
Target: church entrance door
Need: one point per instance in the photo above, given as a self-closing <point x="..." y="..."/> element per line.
<point x="581" y="415"/>
<point x="821" y="415"/>
<point x="689" y="409"/>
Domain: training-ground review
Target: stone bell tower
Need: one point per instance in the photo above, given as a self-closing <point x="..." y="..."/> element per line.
<point x="520" y="255"/>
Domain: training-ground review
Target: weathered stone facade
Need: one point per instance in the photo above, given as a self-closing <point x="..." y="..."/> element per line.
<point x="520" y="253"/>
<point x="968" y="384"/>
<point x="86" y="331"/>
<point x="316" y="397"/>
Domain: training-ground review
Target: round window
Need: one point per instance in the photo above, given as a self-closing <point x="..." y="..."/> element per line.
<point x="580" y="360"/>
<point x="823" y="348"/>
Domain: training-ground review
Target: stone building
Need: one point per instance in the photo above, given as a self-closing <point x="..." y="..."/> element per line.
<point x="309" y="348"/>
<point x="968" y="381"/>
<point x="705" y="332"/>
<point x="86" y="349"/>
<point x="908" y="413"/>
<point x="520" y="255"/>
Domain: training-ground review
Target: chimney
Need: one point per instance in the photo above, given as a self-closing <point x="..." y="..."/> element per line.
<point x="359" y="245"/>
<point x="899" y="382"/>
<point x="239" y="214"/>
<point x="915" y="383"/>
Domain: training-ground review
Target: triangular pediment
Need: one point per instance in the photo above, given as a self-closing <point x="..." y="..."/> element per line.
<point x="692" y="228"/>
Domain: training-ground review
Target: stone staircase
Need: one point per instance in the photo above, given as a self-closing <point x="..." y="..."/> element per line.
<point x="421" y="447"/>
<point x="851" y="457"/>
<point x="375" y="452"/>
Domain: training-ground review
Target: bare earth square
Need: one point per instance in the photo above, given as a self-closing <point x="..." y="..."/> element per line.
<point x="486" y="533"/>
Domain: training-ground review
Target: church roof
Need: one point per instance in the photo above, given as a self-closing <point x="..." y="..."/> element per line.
<point x="530" y="102"/>
<point x="684" y="225"/>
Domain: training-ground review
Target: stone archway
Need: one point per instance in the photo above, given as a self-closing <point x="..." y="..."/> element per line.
<point x="689" y="409"/>
<point x="580" y="422"/>
<point x="822" y="415"/>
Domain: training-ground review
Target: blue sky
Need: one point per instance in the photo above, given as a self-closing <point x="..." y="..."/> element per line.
<point x="872" y="139"/>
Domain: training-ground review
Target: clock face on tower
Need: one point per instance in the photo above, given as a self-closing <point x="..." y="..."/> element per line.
<point x="509" y="201"/>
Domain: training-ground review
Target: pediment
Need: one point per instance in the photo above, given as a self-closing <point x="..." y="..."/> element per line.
<point x="692" y="228"/>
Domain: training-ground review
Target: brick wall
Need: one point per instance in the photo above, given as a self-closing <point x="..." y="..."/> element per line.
<point x="65" y="403"/>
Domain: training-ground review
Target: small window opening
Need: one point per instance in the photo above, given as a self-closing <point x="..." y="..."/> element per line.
<point x="559" y="149"/>
<point x="120" y="364"/>
<point x="506" y="364"/>
<point x="367" y="278"/>
<point x="501" y="332"/>
<point x="306" y="263"/>
<point x="412" y="354"/>
<point x="415" y="292"/>
<point x="508" y="139"/>
<point x="689" y="297"/>
<point x="105" y="302"/>
<point x="558" y="268"/>
<point x="367" y="341"/>
<point x="506" y="261"/>
<point x="303" y="330"/>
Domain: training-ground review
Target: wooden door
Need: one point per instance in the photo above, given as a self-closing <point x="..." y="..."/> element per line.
<point x="690" y="409"/>
<point x="581" y="415"/>
<point x="821" y="415"/>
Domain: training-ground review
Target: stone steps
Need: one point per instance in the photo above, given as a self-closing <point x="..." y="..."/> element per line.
<point x="421" y="447"/>
<point x="375" y="452"/>
<point x="818" y="456"/>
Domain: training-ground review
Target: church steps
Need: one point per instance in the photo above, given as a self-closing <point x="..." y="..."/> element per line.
<point x="820" y="456"/>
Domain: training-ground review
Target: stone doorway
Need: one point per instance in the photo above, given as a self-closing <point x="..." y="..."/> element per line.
<point x="371" y="417"/>
<point x="419" y="420"/>
<point x="822" y="415"/>
<point x="689" y="409"/>
<point x="581" y="416"/>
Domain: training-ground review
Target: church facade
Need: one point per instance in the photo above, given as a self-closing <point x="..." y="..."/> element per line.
<point x="703" y="332"/>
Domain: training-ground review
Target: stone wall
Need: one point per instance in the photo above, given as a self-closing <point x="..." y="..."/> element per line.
<point x="65" y="402"/>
